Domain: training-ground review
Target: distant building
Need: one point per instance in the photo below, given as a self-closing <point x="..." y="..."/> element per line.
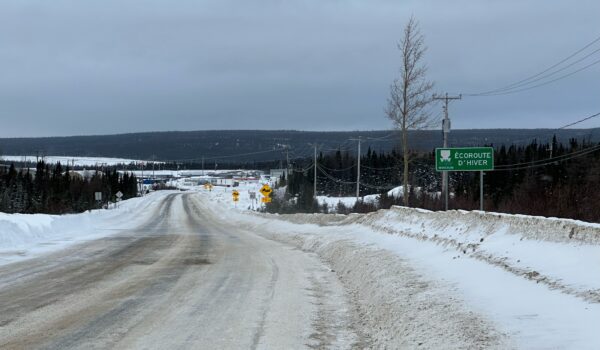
<point x="276" y="173"/>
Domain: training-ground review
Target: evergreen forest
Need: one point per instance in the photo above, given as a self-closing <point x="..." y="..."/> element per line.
<point x="53" y="189"/>
<point x="548" y="179"/>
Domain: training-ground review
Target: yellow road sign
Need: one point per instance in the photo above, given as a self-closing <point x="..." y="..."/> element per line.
<point x="266" y="190"/>
<point x="235" y="193"/>
<point x="266" y="199"/>
<point x="236" y="199"/>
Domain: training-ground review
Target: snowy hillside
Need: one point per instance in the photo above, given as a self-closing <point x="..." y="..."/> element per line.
<point x="77" y="161"/>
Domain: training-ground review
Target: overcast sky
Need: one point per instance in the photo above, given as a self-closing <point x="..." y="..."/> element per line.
<point x="114" y="66"/>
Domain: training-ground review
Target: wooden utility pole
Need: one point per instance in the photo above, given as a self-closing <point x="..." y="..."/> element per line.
<point x="357" y="169"/>
<point x="315" y="179"/>
<point x="315" y="145"/>
<point x="445" y="132"/>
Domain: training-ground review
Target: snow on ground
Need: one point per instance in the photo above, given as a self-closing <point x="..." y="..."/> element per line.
<point x="349" y="202"/>
<point x="529" y="282"/>
<point x="79" y="161"/>
<point x="196" y="173"/>
<point x="422" y="279"/>
<point x="26" y="235"/>
<point x="222" y="191"/>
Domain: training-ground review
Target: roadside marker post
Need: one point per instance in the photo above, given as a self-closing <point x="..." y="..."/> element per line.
<point x="466" y="159"/>
<point x="252" y="198"/>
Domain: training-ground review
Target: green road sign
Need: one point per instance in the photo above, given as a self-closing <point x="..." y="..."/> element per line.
<point x="464" y="159"/>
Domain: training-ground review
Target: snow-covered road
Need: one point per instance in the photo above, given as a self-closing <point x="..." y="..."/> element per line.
<point x="180" y="280"/>
<point x="195" y="270"/>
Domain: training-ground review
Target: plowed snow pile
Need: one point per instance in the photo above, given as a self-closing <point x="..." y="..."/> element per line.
<point x="24" y="235"/>
<point x="444" y="280"/>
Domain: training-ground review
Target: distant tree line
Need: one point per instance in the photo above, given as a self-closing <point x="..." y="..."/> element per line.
<point x="236" y="145"/>
<point x="525" y="182"/>
<point x="53" y="189"/>
<point x="547" y="179"/>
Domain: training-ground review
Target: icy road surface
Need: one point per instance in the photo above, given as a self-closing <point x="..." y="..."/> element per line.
<point x="180" y="280"/>
<point x="196" y="271"/>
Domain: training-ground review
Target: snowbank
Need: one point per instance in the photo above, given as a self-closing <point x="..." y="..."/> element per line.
<point x="498" y="280"/>
<point x="560" y="253"/>
<point x="22" y="235"/>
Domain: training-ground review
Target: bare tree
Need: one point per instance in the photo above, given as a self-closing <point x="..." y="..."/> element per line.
<point x="410" y="93"/>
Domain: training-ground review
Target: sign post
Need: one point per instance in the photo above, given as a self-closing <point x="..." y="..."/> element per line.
<point x="119" y="195"/>
<point x="98" y="197"/>
<point x="466" y="159"/>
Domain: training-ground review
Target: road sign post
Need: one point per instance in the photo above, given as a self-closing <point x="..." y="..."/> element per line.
<point x="119" y="195"/>
<point x="466" y="159"/>
<point x="98" y="197"/>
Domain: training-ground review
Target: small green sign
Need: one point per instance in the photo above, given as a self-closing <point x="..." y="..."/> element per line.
<point x="464" y="159"/>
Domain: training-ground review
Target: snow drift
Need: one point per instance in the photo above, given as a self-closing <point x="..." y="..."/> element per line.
<point x="24" y="234"/>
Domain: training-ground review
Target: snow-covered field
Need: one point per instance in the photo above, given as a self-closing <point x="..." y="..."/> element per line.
<point x="78" y="161"/>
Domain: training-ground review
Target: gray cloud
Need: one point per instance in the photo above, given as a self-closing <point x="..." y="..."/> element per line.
<point x="73" y="67"/>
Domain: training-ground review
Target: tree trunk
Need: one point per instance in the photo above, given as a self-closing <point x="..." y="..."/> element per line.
<point x="405" y="175"/>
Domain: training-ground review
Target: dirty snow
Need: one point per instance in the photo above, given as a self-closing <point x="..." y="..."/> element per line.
<point x="417" y="279"/>
<point x="26" y="235"/>
<point x="504" y="280"/>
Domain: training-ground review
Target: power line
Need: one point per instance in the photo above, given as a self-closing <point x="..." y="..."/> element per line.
<point x="544" y="162"/>
<point x="343" y="169"/>
<point x="552" y="73"/>
<point x="553" y="131"/>
<point x="333" y="178"/>
<point x="383" y="168"/>
<point x="382" y="138"/>
<point x="533" y="78"/>
<point x="376" y="187"/>
<point x="541" y="84"/>
<point x="580" y="121"/>
<point x="221" y="157"/>
<point x="304" y="169"/>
